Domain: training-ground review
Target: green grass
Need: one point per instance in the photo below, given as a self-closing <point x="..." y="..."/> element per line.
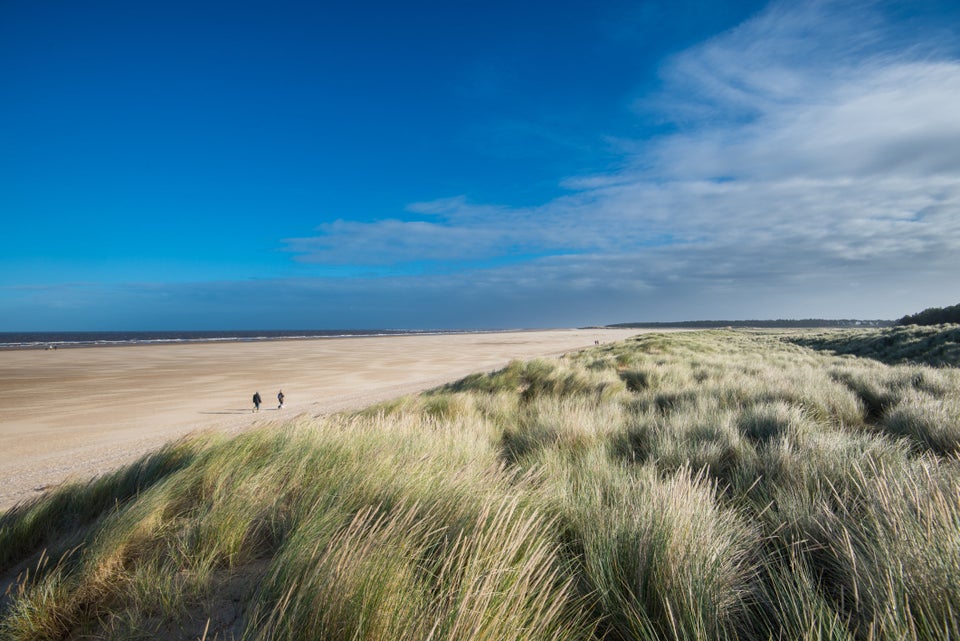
<point x="708" y="485"/>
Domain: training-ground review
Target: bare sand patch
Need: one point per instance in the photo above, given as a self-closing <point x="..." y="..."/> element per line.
<point x="77" y="413"/>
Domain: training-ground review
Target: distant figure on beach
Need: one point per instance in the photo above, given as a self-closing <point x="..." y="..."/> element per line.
<point x="256" y="401"/>
<point x="280" y="398"/>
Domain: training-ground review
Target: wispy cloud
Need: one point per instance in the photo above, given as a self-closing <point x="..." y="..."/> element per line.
<point x="815" y="143"/>
<point x="449" y="231"/>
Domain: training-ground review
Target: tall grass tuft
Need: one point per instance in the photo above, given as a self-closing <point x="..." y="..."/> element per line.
<point x="570" y="425"/>
<point x="790" y="605"/>
<point x="660" y="556"/>
<point x="888" y="554"/>
<point x="413" y="573"/>
<point x="930" y="422"/>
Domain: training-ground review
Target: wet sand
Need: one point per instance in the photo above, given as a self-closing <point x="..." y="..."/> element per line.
<point x="77" y="413"/>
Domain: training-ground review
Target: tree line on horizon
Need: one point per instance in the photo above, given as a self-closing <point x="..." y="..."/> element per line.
<point x="933" y="316"/>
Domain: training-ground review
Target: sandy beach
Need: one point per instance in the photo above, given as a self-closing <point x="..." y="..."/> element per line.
<point x="77" y="413"/>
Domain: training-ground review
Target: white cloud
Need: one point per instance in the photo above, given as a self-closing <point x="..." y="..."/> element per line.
<point x="816" y="155"/>
<point x="891" y="119"/>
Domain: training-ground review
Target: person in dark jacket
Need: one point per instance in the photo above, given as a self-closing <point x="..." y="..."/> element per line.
<point x="256" y="402"/>
<point x="280" y="400"/>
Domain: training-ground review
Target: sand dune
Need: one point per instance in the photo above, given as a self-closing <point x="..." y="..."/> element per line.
<point x="73" y="413"/>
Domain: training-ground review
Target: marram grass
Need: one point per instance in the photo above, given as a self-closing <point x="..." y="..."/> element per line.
<point x="707" y="485"/>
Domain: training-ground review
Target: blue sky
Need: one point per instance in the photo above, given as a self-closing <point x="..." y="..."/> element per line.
<point x="175" y="165"/>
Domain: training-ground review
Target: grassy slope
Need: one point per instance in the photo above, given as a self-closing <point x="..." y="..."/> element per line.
<point x="685" y="486"/>
<point x="937" y="345"/>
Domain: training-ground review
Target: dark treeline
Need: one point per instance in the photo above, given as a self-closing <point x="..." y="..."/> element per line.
<point x="933" y="316"/>
<point x="804" y="322"/>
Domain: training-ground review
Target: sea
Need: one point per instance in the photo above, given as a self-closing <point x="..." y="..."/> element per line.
<point x="58" y="340"/>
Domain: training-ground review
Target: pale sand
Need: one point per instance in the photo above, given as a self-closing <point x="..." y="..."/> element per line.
<point x="77" y="413"/>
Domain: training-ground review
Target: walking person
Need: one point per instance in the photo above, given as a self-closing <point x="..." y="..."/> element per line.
<point x="280" y="399"/>
<point x="256" y="401"/>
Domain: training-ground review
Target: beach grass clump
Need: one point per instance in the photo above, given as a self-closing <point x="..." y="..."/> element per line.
<point x="794" y="475"/>
<point x="569" y="425"/>
<point x="559" y="379"/>
<point x="696" y="485"/>
<point x="764" y="422"/>
<point x="698" y="435"/>
<point x="850" y="535"/>
<point x="790" y="604"/>
<point x="509" y="379"/>
<point x="539" y="377"/>
<point x="811" y="389"/>
<point x="876" y="527"/>
<point x="889" y="551"/>
<point x="414" y="573"/>
<point x="932" y="423"/>
<point x="660" y="557"/>
<point x="441" y="404"/>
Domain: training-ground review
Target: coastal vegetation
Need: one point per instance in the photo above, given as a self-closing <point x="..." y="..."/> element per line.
<point x="689" y="485"/>
<point x="933" y="316"/>
<point x="937" y="345"/>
